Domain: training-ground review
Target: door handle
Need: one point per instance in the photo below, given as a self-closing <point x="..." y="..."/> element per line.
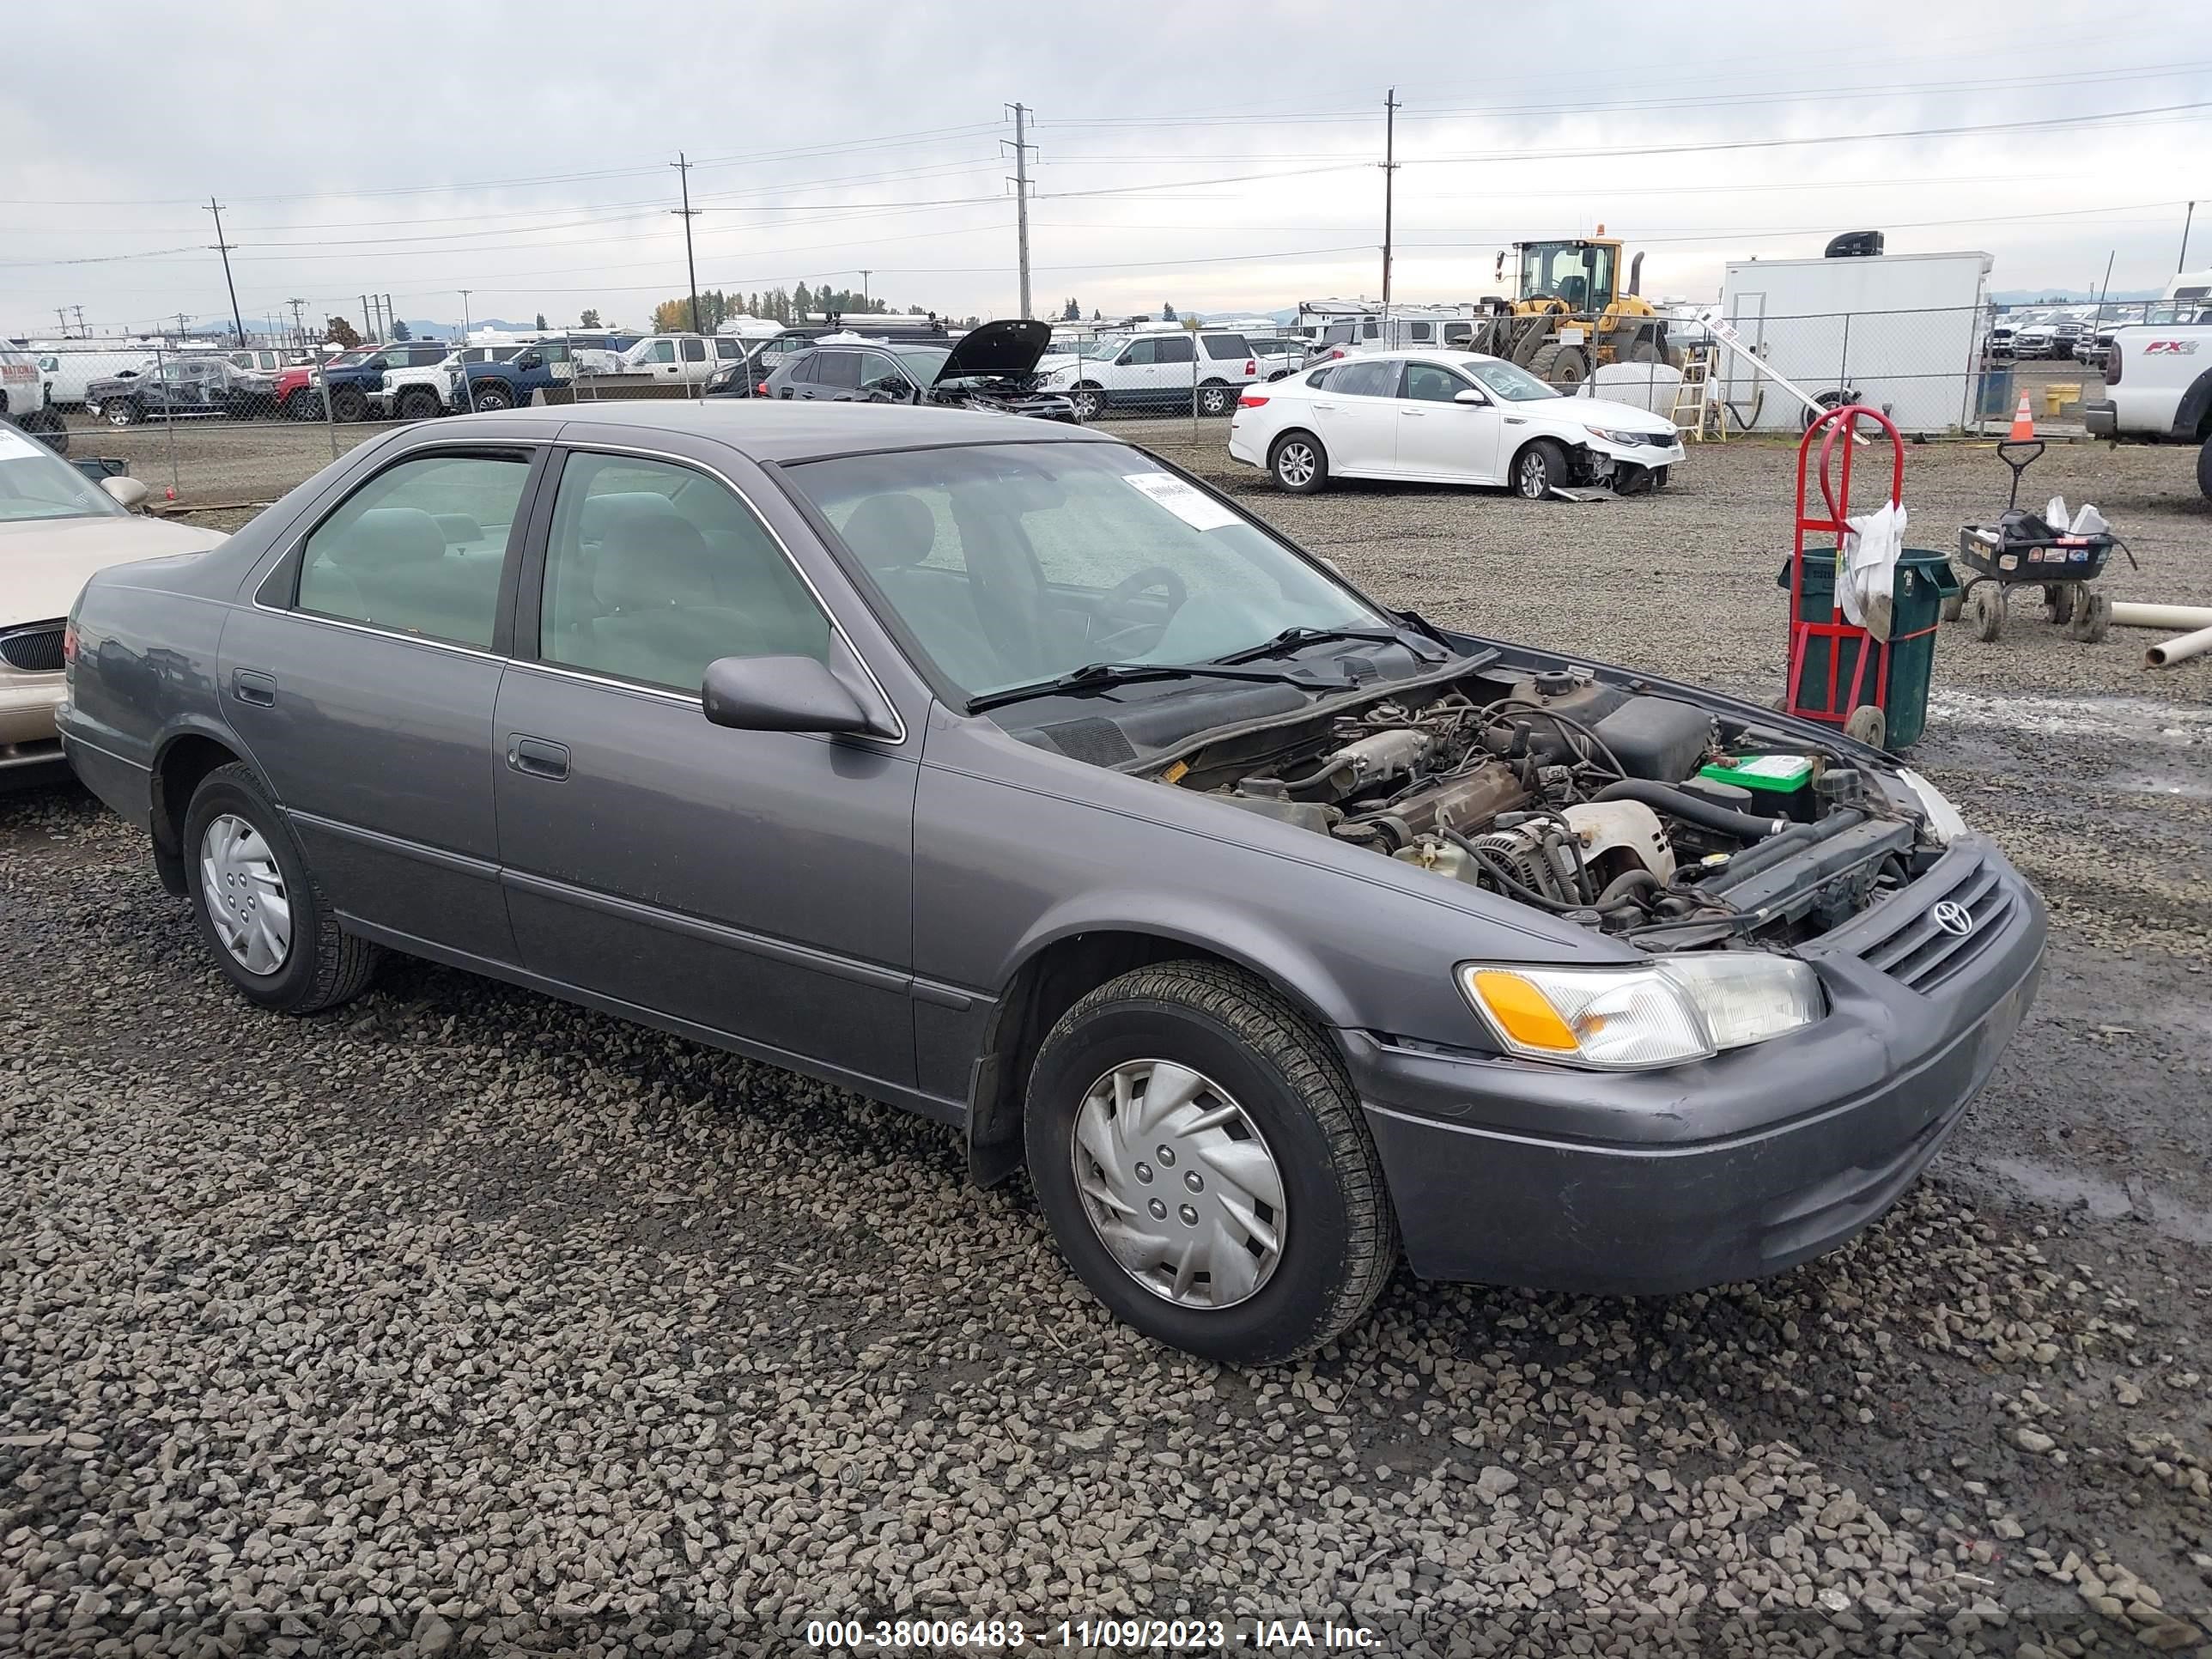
<point x="537" y="757"/>
<point x="1413" y="414"/>
<point x="1321" y="405"/>
<point x="251" y="685"/>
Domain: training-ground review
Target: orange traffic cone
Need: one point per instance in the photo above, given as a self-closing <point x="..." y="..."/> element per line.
<point x="2023" y="423"/>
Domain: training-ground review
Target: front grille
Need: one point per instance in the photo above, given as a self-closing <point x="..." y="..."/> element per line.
<point x="33" y="650"/>
<point x="1921" y="953"/>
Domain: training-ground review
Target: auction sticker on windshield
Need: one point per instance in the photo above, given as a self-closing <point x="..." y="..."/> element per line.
<point x="1194" y="508"/>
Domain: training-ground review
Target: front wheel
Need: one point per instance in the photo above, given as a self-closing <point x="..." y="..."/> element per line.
<point x="348" y="403"/>
<point x="304" y="406"/>
<point x="1538" y="469"/>
<point x="492" y="396"/>
<point x="1089" y="402"/>
<point x="1201" y="1159"/>
<point x="1215" y="398"/>
<point x="259" y="912"/>
<point x="119" y="412"/>
<point x="1298" y="463"/>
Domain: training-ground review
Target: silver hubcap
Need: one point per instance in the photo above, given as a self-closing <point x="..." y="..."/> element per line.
<point x="244" y="892"/>
<point x="1178" y="1184"/>
<point x="1533" y="479"/>
<point x="1295" y="465"/>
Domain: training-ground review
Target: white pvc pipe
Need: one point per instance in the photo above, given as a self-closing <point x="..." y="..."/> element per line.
<point x="2126" y="613"/>
<point x="2170" y="652"/>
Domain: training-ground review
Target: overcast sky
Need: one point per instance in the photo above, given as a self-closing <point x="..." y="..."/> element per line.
<point x="1212" y="156"/>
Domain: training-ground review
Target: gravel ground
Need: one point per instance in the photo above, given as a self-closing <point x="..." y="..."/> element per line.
<point x="463" y="1322"/>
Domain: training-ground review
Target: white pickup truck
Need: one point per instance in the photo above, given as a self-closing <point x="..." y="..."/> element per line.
<point x="2158" y="388"/>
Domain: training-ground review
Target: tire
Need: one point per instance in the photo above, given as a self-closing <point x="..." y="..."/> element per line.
<point x="1297" y="463"/>
<point x="2092" y="619"/>
<point x="319" y="965"/>
<point x="1537" y="467"/>
<point x="417" y="403"/>
<point x="1629" y="479"/>
<point x="1639" y="351"/>
<point x="348" y="403"/>
<point x="1315" y="1184"/>
<point x="1088" y="402"/>
<point x="1659" y="476"/>
<point x="121" y="411"/>
<point x="491" y="395"/>
<point x="2204" y="470"/>
<point x="47" y="426"/>
<point x="2062" y="600"/>
<point x="1985" y="610"/>
<point x="1215" y="398"/>
<point x="1559" y="364"/>
<point x="1953" y="607"/>
<point x="304" y="405"/>
<point x="1868" y="725"/>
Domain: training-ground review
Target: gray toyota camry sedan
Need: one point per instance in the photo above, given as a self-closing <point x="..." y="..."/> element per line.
<point x="1000" y="770"/>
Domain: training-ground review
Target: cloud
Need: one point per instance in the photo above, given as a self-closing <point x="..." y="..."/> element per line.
<point x="1205" y="156"/>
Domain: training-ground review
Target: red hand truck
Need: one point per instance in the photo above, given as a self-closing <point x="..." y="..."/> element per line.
<point x="1827" y="647"/>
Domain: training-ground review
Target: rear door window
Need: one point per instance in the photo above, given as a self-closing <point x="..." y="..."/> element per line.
<point x="694" y="351"/>
<point x="1366" y="380"/>
<point x="1175" y="349"/>
<point x="418" y="549"/>
<point x="839" y="369"/>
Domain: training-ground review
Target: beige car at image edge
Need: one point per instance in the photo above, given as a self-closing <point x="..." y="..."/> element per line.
<point x="57" y="527"/>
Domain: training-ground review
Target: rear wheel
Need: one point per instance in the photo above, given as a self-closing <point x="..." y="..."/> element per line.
<point x="2092" y="619"/>
<point x="1868" y="724"/>
<point x="417" y="403"/>
<point x="1201" y="1158"/>
<point x="2205" y="469"/>
<point x="1639" y="351"/>
<point x="1537" y="469"/>
<point x="1298" y="463"/>
<point x="2059" y="598"/>
<point x="259" y="912"/>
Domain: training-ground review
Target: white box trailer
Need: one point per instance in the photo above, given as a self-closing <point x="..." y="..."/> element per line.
<point x="1905" y="332"/>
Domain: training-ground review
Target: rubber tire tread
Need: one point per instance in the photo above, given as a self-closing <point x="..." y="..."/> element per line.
<point x="1283" y="1038"/>
<point x="344" y="964"/>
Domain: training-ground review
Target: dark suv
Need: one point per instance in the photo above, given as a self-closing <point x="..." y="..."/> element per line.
<point x="992" y="367"/>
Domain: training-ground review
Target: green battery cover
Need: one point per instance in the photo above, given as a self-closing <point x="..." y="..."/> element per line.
<point x="1779" y="774"/>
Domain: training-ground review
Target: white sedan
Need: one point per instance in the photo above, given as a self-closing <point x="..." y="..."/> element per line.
<point x="1446" y="418"/>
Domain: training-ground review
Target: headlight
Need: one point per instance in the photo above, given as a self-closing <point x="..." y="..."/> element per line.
<point x="1631" y="1019"/>
<point x="1614" y="436"/>
<point x="1943" y="819"/>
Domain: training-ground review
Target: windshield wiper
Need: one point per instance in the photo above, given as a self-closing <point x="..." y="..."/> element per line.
<point x="1098" y="676"/>
<point x="1415" y="644"/>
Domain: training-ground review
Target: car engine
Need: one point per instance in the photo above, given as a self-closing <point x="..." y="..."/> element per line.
<point x="1635" y="813"/>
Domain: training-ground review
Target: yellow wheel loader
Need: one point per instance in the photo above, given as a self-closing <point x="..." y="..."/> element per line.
<point x="1572" y="312"/>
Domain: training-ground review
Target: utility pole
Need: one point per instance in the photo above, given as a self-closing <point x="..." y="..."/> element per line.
<point x="387" y="316"/>
<point x="687" y="213"/>
<point x="183" y="318"/>
<point x="299" y="327"/>
<point x="367" y="328"/>
<point x="61" y="314"/>
<point x="467" y="380"/>
<point x="864" y="292"/>
<point x="1022" y="149"/>
<point x="237" y="322"/>
<point x="81" y="334"/>
<point x="1389" y="181"/>
<point x="2185" y="222"/>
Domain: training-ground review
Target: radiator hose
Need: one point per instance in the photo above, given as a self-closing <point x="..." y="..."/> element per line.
<point x="1681" y="804"/>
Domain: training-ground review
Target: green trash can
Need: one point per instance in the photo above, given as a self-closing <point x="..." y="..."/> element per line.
<point x="1924" y="580"/>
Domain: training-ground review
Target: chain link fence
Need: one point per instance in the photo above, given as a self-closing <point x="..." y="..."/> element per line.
<point x="206" y="425"/>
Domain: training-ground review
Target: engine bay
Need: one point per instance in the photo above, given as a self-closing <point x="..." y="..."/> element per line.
<point x="1636" y="813"/>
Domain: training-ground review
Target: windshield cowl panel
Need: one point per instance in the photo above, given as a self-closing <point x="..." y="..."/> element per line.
<point x="1011" y="565"/>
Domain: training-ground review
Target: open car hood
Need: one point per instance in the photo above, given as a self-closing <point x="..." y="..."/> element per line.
<point x="1010" y="347"/>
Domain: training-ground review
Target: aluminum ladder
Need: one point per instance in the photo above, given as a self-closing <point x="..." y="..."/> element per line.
<point x="1697" y="413"/>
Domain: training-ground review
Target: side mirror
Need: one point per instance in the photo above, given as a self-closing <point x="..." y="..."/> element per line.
<point x="780" y="694"/>
<point x="1471" y="398"/>
<point x="125" y="492"/>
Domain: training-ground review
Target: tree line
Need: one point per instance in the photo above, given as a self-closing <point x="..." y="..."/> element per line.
<point x="775" y="304"/>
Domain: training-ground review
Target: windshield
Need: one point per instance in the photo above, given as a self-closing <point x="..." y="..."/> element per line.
<point x="1516" y="385"/>
<point x="1011" y="563"/>
<point x="36" y="484"/>
<point x="923" y="362"/>
<point x="1577" y="274"/>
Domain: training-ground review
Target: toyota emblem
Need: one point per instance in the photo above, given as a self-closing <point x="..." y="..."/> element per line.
<point x="1953" y="918"/>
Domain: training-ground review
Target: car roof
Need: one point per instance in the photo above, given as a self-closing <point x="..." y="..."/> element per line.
<point x="782" y="431"/>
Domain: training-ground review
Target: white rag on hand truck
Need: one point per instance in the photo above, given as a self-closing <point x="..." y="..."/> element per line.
<point x="1866" y="576"/>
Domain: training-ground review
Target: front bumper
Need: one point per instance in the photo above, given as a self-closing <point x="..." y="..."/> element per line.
<point x="2102" y="417"/>
<point x="27" y="735"/>
<point x="1659" y="1182"/>
<point x="1646" y="455"/>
